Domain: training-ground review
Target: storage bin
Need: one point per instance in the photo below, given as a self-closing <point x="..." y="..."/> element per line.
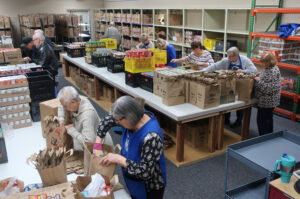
<point x="110" y="43"/>
<point x="159" y="56"/>
<point x="146" y="81"/>
<point x="76" y="52"/>
<point x="132" y="79"/>
<point x="139" y="65"/>
<point x="115" y="65"/>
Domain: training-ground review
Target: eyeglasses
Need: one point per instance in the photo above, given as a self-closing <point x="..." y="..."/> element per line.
<point x="119" y="120"/>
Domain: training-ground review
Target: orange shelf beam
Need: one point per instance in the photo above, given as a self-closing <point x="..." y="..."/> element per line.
<point x="275" y="10"/>
<point x="281" y="65"/>
<point x="269" y="35"/>
<point x="285" y="112"/>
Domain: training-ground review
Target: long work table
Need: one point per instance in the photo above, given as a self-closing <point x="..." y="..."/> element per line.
<point x="182" y="113"/>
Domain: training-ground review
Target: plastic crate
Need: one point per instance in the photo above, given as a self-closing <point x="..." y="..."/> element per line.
<point x="209" y="43"/>
<point x="35" y="111"/>
<point x="41" y="85"/>
<point x="139" y="65"/>
<point x="132" y="79"/>
<point x="100" y="61"/>
<point x="160" y="56"/>
<point x="146" y="81"/>
<point x="115" y="65"/>
<point x="76" y="52"/>
<point x="110" y="43"/>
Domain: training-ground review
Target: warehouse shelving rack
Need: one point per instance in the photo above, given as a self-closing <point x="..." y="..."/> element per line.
<point x="210" y="23"/>
<point x="295" y="96"/>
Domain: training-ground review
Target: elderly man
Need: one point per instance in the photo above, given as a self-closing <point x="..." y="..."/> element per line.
<point x="113" y="32"/>
<point x="85" y="119"/>
<point x="45" y="54"/>
<point x="233" y="61"/>
<point x="47" y="40"/>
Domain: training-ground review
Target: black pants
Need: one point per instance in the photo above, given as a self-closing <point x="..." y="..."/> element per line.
<point x="239" y="116"/>
<point x="264" y="120"/>
<point x="154" y="194"/>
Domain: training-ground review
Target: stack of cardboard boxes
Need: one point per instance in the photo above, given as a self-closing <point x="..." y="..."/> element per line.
<point x="5" y="26"/>
<point x="67" y="25"/>
<point x="12" y="56"/>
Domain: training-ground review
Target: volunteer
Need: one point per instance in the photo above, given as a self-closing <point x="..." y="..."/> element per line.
<point x="85" y="119"/>
<point x="171" y="52"/>
<point x="199" y="57"/>
<point x="28" y="49"/>
<point x="234" y="61"/>
<point x="47" y="40"/>
<point x="145" y="42"/>
<point x="113" y="32"/>
<point x="267" y="91"/>
<point x="142" y="158"/>
<point x="45" y="55"/>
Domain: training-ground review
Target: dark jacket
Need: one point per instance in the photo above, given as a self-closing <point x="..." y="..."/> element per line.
<point x="47" y="59"/>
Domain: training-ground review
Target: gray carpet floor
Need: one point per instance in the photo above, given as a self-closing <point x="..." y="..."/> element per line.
<point x="205" y="179"/>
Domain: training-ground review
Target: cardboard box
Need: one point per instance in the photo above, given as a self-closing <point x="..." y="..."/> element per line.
<point x="37" y="20"/>
<point x="76" y="32"/>
<point x="1" y="57"/>
<point x="6" y="22"/>
<point x="128" y="18"/>
<point x="196" y="133"/>
<point x="160" y="19"/>
<point x="46" y="32"/>
<point x="51" y="31"/>
<point x="12" y="55"/>
<point x="49" y="107"/>
<point x="8" y="33"/>
<point x="175" y="20"/>
<point x="2" y="32"/>
<point x="50" y="19"/>
<point x="172" y="91"/>
<point x="208" y="96"/>
<point x="75" y="20"/>
<point x="2" y="22"/>
<point x="147" y="19"/>
<point x="64" y="190"/>
<point x="70" y="32"/>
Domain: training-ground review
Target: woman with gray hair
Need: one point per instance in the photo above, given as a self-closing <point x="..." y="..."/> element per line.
<point x="142" y="158"/>
<point x="145" y="42"/>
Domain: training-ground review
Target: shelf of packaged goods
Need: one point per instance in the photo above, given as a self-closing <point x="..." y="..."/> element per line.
<point x="281" y="65"/>
<point x="269" y="35"/>
<point x="275" y="10"/>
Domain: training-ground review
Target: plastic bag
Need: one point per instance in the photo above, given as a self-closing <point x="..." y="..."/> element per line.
<point x="96" y="187"/>
<point x="11" y="188"/>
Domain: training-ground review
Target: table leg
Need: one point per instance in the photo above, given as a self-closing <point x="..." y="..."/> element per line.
<point x="180" y="142"/>
<point x="212" y="134"/>
<point x="66" y="68"/>
<point x="97" y="88"/>
<point x="220" y="131"/>
<point x="246" y="124"/>
<point x="116" y="93"/>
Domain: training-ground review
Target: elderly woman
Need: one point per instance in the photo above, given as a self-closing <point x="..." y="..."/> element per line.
<point x="142" y="158"/>
<point x="199" y="57"/>
<point x="267" y="90"/>
<point x="85" y="119"/>
<point x="145" y="42"/>
<point x="171" y="52"/>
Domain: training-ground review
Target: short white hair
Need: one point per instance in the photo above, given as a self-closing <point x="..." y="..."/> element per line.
<point x="38" y="35"/>
<point x="233" y="51"/>
<point x="112" y="23"/>
<point x="67" y="94"/>
<point x="38" y="30"/>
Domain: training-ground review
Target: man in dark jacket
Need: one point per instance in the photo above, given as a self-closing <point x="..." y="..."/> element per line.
<point x="45" y="54"/>
<point x="28" y="49"/>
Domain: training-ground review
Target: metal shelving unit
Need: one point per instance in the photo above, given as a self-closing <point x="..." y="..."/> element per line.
<point x="260" y="154"/>
<point x="294" y="114"/>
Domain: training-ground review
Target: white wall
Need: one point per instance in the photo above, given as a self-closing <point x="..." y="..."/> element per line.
<point x="13" y="8"/>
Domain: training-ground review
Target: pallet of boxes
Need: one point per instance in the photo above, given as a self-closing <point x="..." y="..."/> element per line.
<point x="5" y="26"/>
<point x="67" y="26"/>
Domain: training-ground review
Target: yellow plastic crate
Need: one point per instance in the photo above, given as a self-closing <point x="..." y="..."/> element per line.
<point x="139" y="65"/>
<point x="110" y="43"/>
<point x="160" y="56"/>
<point x="209" y="43"/>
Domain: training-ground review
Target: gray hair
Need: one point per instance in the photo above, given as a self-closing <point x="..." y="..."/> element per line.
<point x="38" y="35"/>
<point x="161" y="42"/>
<point x="38" y="30"/>
<point x="112" y="23"/>
<point x="67" y="94"/>
<point x="233" y="51"/>
<point x="143" y="37"/>
<point x="127" y="107"/>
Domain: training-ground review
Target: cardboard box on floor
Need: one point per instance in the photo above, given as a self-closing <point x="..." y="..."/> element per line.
<point x="64" y="190"/>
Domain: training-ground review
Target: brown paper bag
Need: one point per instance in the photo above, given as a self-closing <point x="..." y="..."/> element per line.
<point x="91" y="163"/>
<point x="193" y="92"/>
<point x="245" y="89"/>
<point x="228" y="90"/>
<point x="208" y="96"/>
<point x="83" y="181"/>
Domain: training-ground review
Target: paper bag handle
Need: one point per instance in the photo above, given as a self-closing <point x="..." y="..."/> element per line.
<point x="69" y="153"/>
<point x="31" y="161"/>
<point x="118" y="147"/>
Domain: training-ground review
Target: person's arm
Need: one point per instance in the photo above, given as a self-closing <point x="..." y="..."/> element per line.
<point x="249" y="67"/>
<point x="220" y="65"/>
<point x="61" y="114"/>
<point x="181" y="60"/>
<point x="172" y="55"/>
<point x="139" y="46"/>
<point x="105" y="125"/>
<point x="268" y="82"/>
<point x="151" y="151"/>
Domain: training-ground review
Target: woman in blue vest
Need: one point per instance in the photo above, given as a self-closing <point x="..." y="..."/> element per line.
<point x="142" y="158"/>
<point x="171" y="52"/>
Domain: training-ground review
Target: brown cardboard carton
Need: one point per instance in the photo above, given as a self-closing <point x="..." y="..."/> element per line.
<point x="37" y="21"/>
<point x="173" y="91"/>
<point x="44" y="19"/>
<point x="50" y="19"/>
<point x="208" y="96"/>
<point x="76" y="32"/>
<point x="147" y="19"/>
<point x="31" y="19"/>
<point x="8" y="33"/>
<point x="128" y="18"/>
<point x="6" y="22"/>
<point x="2" y="32"/>
<point x="75" y="20"/>
<point x="175" y="19"/>
<point x="12" y="55"/>
<point x="51" y="32"/>
<point x="2" y="22"/>
<point x="196" y="133"/>
<point x="46" y="32"/>
<point x="70" y="32"/>
<point x="1" y="57"/>
<point x="160" y="19"/>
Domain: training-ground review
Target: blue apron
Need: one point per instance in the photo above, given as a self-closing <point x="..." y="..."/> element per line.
<point x="146" y="46"/>
<point x="137" y="187"/>
<point x="231" y="65"/>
